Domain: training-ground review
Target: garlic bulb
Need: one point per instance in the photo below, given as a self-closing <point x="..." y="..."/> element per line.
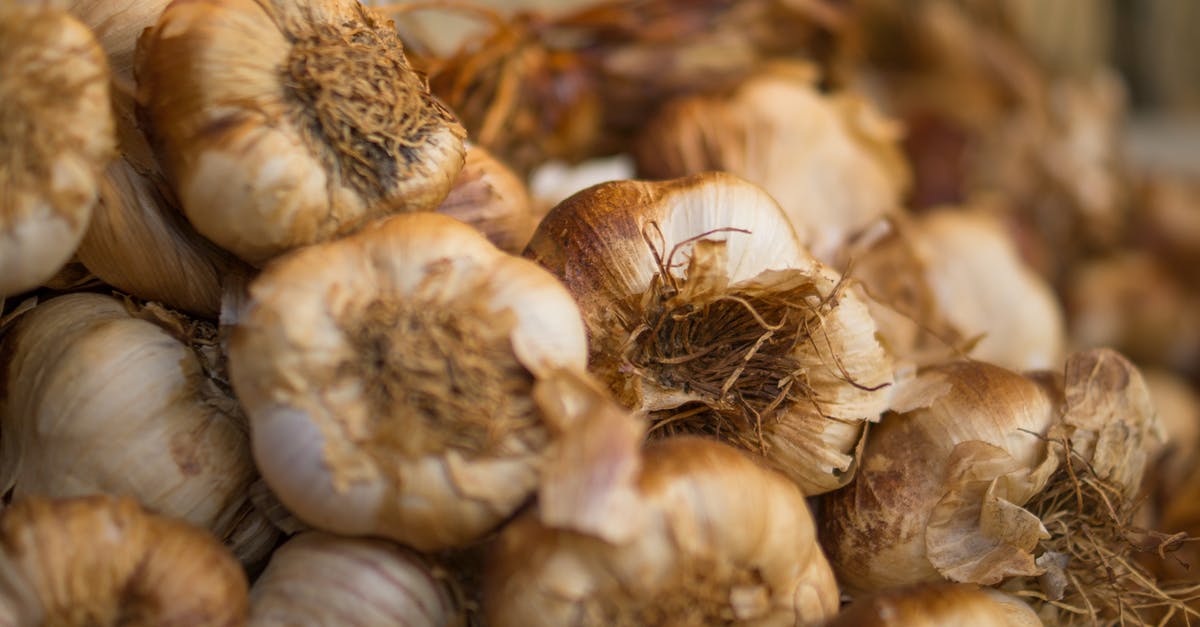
<point x="938" y="605"/>
<point x="57" y="133"/>
<point x="983" y="296"/>
<point x="555" y="181"/>
<point x="984" y="475"/>
<point x="832" y="161"/>
<point x="387" y="378"/>
<point x="688" y="531"/>
<point x="103" y="396"/>
<point x="703" y="310"/>
<point x="286" y="123"/>
<point x="320" y="579"/>
<point x="490" y="197"/>
<point x="105" y="561"/>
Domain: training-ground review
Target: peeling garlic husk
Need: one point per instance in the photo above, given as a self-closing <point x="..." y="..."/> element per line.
<point x="106" y="561"/>
<point x="281" y="124"/>
<point x="490" y="197"/>
<point x="937" y="605"/>
<point x="686" y="531"/>
<point x="833" y="162"/>
<point x="107" y="397"/>
<point x="320" y="579"/>
<point x="387" y="379"/>
<point x="117" y="25"/>
<point x="57" y="133"/>
<point x="957" y="276"/>
<point x="735" y="268"/>
<point x="945" y="484"/>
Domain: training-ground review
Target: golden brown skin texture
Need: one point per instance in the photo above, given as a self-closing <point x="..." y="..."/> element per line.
<point x="937" y="605"/>
<point x="104" y="560"/>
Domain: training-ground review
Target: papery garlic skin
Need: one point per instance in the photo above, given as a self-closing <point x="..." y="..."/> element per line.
<point x="720" y="540"/>
<point x="937" y="605"/>
<point x="832" y="161"/>
<point x="117" y="24"/>
<point x="287" y="123"/>
<point x="490" y="197"/>
<point x="105" y="561"/>
<point x="323" y="358"/>
<point x="725" y="241"/>
<point x="321" y="579"/>
<point x="102" y="400"/>
<point x="874" y="529"/>
<point x="57" y="133"/>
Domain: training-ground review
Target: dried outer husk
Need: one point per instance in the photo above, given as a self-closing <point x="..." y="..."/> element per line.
<point x="581" y="84"/>
<point x="117" y="25"/>
<point x="957" y="276"/>
<point x="937" y="605"/>
<point x="704" y="311"/>
<point x="387" y="378"/>
<point x="138" y="240"/>
<point x="57" y="133"/>
<point x="321" y="579"/>
<point x="490" y="197"/>
<point x="281" y="124"/>
<point x="105" y="396"/>
<point x="983" y="475"/>
<point x="688" y="531"/>
<point x="105" y="560"/>
<point x="832" y="161"/>
<point x="1132" y="302"/>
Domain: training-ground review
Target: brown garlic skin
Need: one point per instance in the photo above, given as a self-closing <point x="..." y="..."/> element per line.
<point x="282" y="124"/>
<point x="704" y="535"/>
<point x="704" y="310"/>
<point x="321" y="579"/>
<point x="490" y="197"/>
<point x="937" y="605"/>
<point x="976" y="478"/>
<point x="56" y="130"/>
<point x="104" y="561"/>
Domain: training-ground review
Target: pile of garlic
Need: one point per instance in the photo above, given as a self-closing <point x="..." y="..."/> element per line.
<point x="284" y="342"/>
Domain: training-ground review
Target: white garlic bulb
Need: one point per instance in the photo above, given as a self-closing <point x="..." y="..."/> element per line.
<point x="387" y="376"/>
<point x="490" y="197"/>
<point x="832" y="161"/>
<point x="688" y="531"/>
<point x="320" y="579"/>
<point x="103" y="396"/>
<point x="285" y="123"/>
<point x="703" y="310"/>
<point x="57" y="132"/>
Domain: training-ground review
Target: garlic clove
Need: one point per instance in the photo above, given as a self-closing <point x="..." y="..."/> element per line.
<point x="832" y="161"/>
<point x="387" y="376"/>
<point x="490" y="197"/>
<point x="938" y="605"/>
<point x="716" y="253"/>
<point x="106" y="397"/>
<point x="104" y="560"/>
<point x="55" y="145"/>
<point x="284" y="124"/>
<point x="720" y="540"/>
<point x="321" y="579"/>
